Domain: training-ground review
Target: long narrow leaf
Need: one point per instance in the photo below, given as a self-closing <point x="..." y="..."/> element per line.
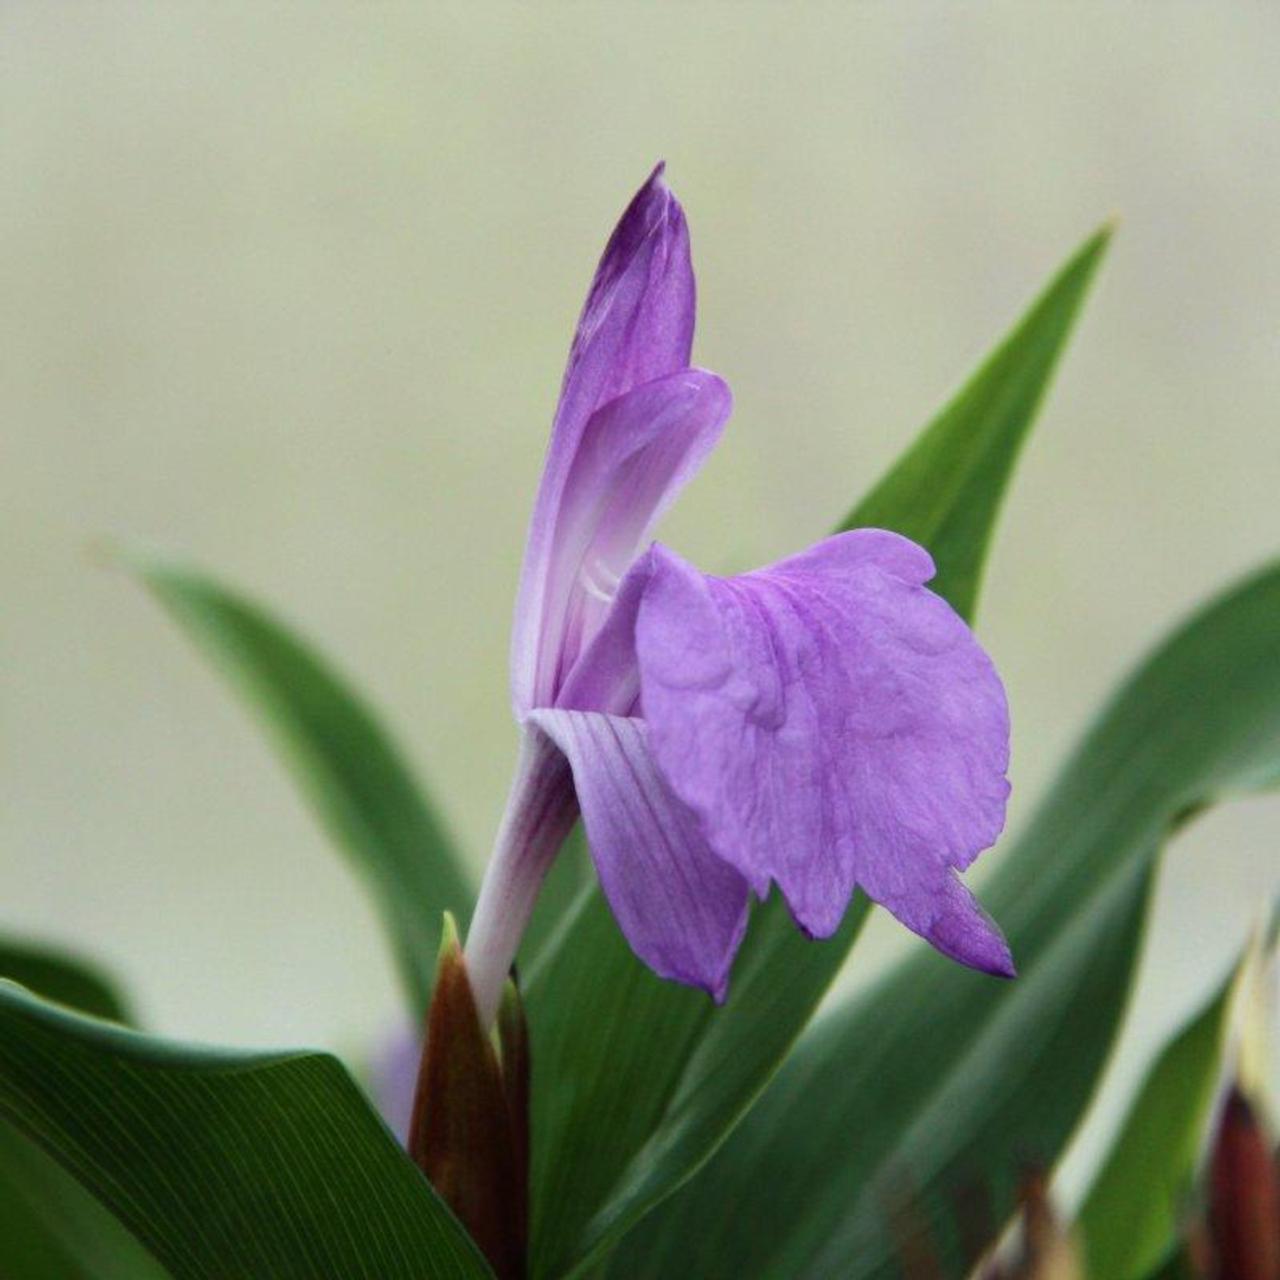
<point x="1129" y="1224"/>
<point x="50" y="1227"/>
<point x="946" y="490"/>
<point x="623" y="1116"/>
<point x="69" y="980"/>
<point x="226" y="1166"/>
<point x="343" y="759"/>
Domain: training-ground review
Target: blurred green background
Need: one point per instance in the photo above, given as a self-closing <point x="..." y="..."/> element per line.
<point x="288" y="290"/>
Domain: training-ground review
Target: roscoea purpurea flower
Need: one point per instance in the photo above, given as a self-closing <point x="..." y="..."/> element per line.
<point x="823" y="724"/>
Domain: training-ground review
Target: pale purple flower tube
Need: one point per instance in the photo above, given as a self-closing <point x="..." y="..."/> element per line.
<point x="824" y="724"/>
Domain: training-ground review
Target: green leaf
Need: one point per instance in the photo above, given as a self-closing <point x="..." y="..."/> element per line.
<point x="637" y="1081"/>
<point x="343" y="759"/>
<point x="935" y="1086"/>
<point x="225" y="1165"/>
<point x="52" y="1229"/>
<point x="946" y="490"/>
<point x="1179" y="1267"/>
<point x="67" y="979"/>
<point x="1129" y="1224"/>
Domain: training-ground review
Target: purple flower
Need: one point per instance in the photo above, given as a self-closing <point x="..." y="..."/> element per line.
<point x="825" y="724"/>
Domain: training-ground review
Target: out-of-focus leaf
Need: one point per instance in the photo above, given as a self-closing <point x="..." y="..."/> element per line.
<point x="1046" y="1248"/>
<point x="226" y="1166"/>
<point x="1130" y="1220"/>
<point x="58" y="976"/>
<point x="1180" y="1267"/>
<point x="635" y="1080"/>
<point x="343" y="759"/>
<point x="937" y="1082"/>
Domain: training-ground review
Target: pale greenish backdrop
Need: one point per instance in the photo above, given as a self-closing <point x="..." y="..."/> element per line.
<point x="287" y="290"/>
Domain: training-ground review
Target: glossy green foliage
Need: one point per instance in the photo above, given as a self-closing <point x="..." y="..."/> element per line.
<point x="226" y="1166"/>
<point x="50" y="1227"/>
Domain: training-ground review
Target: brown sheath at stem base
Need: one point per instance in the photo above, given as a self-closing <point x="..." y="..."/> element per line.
<point x="470" y="1128"/>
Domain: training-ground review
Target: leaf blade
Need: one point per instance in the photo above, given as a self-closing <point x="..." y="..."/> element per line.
<point x="56" y="975"/>
<point x="223" y="1164"/>
<point x="946" y="490"/>
<point x="1129" y="1222"/>
<point x="52" y="1229"/>
<point x="345" y="762"/>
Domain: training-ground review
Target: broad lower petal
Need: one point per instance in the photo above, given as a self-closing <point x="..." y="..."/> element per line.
<point x="681" y="908"/>
<point x="636" y="326"/>
<point x="833" y="724"/>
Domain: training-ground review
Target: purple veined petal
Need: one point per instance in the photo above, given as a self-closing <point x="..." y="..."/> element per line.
<point x="681" y="908"/>
<point x="636" y="326"/>
<point x="541" y="810"/>
<point x="637" y="321"/>
<point x="833" y="724"/>
<point x="636" y="454"/>
<point x="948" y="916"/>
<point x="606" y="676"/>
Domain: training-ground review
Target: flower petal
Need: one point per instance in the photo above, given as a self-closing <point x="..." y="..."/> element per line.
<point x="606" y="676"/>
<point x="833" y="724"/>
<point x="681" y="908"/>
<point x="637" y="321"/>
<point x="636" y="453"/>
<point x="636" y="326"/>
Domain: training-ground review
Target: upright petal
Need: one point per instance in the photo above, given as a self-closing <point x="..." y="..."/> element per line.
<point x="833" y="724"/>
<point x="681" y="908"/>
<point x="637" y="321"/>
<point x="635" y="455"/>
<point x="636" y="326"/>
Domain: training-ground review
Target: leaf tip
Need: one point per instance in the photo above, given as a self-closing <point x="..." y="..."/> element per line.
<point x="150" y="566"/>
<point x="1094" y="249"/>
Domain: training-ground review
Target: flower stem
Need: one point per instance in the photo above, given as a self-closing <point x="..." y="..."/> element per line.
<point x="541" y="810"/>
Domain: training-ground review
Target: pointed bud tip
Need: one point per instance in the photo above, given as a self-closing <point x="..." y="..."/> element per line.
<point x="656" y="197"/>
<point x="451" y="964"/>
<point x="449" y="940"/>
<point x="461" y="1133"/>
